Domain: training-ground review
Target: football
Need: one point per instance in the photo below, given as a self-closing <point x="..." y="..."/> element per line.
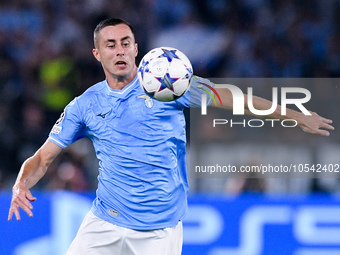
<point x="165" y="74"/>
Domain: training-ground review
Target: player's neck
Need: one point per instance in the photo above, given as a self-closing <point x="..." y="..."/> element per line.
<point x="119" y="82"/>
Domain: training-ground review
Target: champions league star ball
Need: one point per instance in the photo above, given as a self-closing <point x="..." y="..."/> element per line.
<point x="165" y="74"/>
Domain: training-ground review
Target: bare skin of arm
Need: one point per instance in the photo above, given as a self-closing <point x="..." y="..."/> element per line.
<point x="313" y="124"/>
<point x="32" y="170"/>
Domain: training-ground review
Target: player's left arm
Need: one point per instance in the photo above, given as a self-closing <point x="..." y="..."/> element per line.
<point x="313" y="124"/>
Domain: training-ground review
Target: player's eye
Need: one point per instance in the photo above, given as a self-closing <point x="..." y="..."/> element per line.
<point x="111" y="46"/>
<point x="126" y="44"/>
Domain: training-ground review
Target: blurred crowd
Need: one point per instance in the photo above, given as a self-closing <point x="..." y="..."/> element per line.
<point x="46" y="60"/>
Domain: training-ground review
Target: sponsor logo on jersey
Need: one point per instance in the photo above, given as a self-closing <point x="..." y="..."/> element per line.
<point x="103" y="115"/>
<point x="113" y="212"/>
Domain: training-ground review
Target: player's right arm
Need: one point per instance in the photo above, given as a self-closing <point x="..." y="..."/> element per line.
<point x="32" y="170"/>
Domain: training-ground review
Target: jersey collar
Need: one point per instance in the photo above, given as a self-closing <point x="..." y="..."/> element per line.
<point x="123" y="92"/>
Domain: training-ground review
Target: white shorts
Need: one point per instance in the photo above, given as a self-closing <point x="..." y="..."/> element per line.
<point x="99" y="237"/>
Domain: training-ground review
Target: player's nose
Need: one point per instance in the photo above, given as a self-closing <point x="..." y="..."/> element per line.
<point x="120" y="50"/>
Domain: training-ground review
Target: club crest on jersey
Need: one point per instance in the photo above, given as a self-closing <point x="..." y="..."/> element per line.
<point x="148" y="100"/>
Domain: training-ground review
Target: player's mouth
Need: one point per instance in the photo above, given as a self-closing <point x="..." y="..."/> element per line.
<point x="121" y="63"/>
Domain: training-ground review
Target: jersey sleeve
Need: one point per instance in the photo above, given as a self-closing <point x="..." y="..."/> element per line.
<point x="194" y="96"/>
<point x="69" y="127"/>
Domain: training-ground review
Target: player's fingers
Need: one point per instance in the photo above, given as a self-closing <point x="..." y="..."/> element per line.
<point x="14" y="209"/>
<point x="326" y="126"/>
<point x="26" y="206"/>
<point x="17" y="214"/>
<point x="323" y="132"/>
<point x="30" y="197"/>
<point x="27" y="210"/>
<point x="10" y="214"/>
<point x="329" y="121"/>
<point x="24" y="202"/>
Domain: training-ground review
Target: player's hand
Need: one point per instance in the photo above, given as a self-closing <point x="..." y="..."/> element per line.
<point x="21" y="198"/>
<point x="315" y="124"/>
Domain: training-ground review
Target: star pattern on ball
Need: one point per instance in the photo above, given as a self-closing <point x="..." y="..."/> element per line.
<point x="166" y="82"/>
<point x="144" y="68"/>
<point x="188" y="69"/>
<point x="169" y="54"/>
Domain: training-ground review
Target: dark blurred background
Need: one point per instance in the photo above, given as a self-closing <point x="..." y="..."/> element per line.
<point x="46" y="60"/>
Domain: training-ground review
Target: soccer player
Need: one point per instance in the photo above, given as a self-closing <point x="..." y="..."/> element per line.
<point x="142" y="190"/>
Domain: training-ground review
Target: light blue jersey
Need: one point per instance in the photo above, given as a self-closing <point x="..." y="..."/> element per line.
<point x="140" y="143"/>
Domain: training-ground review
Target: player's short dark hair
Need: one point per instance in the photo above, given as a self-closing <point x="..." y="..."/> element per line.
<point x="106" y="23"/>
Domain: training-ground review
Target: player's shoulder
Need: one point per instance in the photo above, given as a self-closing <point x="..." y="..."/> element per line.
<point x="92" y="92"/>
<point x="88" y="95"/>
<point x="198" y="81"/>
<point x="97" y="88"/>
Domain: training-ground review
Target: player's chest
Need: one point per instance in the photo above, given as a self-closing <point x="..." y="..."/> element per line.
<point x="137" y="109"/>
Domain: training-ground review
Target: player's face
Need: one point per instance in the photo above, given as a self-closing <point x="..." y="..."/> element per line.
<point x="117" y="50"/>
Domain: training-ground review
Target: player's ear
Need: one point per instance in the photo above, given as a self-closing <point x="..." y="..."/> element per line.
<point x="96" y="54"/>
<point x="136" y="49"/>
